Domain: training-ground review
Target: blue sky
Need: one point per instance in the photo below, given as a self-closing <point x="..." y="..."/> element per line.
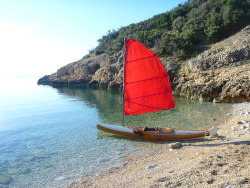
<point x="39" y="36"/>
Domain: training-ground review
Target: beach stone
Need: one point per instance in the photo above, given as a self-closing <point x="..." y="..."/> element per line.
<point x="247" y="130"/>
<point x="214" y="172"/>
<point x="243" y="127"/>
<point x="214" y="136"/>
<point x="210" y="181"/>
<point x="239" y="122"/>
<point x="151" y="166"/>
<point x="247" y="114"/>
<point x="233" y="128"/>
<point x="162" y="179"/>
<point x="230" y="186"/>
<point x="5" y="180"/>
<point x="175" y="145"/>
<point x="244" y="181"/>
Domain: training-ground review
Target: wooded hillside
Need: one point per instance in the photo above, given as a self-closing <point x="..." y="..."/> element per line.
<point x="183" y="31"/>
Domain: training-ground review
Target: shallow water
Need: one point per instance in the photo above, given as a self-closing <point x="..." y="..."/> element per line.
<point x="49" y="137"/>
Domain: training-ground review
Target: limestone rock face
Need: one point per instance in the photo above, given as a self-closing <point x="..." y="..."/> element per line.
<point x="219" y="74"/>
<point x="76" y="73"/>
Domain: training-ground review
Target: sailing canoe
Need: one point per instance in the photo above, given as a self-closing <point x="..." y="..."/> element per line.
<point x="153" y="134"/>
<point x="147" y="89"/>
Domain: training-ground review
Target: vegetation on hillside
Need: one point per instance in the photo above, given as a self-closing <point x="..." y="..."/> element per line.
<point x="184" y="30"/>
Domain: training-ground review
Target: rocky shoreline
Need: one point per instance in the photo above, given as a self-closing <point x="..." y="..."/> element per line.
<point x="219" y="74"/>
<point x="222" y="161"/>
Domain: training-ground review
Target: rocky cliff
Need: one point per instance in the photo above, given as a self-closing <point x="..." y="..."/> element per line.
<point x="220" y="73"/>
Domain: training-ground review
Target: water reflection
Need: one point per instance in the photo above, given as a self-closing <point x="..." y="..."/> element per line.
<point x="189" y="114"/>
<point x="107" y="103"/>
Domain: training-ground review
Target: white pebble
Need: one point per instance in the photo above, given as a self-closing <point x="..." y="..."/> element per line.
<point x="151" y="166"/>
<point x="243" y="127"/>
<point x="233" y="128"/>
<point x="247" y="113"/>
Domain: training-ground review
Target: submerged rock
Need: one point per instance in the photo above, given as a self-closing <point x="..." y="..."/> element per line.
<point x="5" y="180"/>
<point x="25" y="170"/>
<point x="42" y="156"/>
<point x="29" y="158"/>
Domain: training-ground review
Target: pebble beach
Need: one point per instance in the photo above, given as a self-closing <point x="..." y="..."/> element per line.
<point x="220" y="161"/>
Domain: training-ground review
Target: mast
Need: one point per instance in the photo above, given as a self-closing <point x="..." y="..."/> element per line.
<point x="123" y="84"/>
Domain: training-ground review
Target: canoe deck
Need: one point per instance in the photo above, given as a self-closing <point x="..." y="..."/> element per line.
<point x="153" y="134"/>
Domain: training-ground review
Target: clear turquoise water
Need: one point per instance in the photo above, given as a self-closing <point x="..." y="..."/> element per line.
<point x="49" y="137"/>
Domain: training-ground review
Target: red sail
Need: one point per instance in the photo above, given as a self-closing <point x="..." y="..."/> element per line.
<point x="147" y="87"/>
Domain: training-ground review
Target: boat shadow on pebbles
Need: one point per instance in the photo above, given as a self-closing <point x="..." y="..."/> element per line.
<point x="205" y="144"/>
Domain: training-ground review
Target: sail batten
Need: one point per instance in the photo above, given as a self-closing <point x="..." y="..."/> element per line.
<point x="150" y="106"/>
<point x="148" y="96"/>
<point x="146" y="82"/>
<point x="141" y="59"/>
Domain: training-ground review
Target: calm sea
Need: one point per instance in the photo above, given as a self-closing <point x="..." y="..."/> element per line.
<point x="48" y="135"/>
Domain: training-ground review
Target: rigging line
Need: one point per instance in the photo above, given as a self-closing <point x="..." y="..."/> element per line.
<point x="148" y="106"/>
<point x="147" y="79"/>
<point x="141" y="58"/>
<point x="149" y="95"/>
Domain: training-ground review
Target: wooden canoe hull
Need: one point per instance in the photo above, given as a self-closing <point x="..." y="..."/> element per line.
<point x="153" y="135"/>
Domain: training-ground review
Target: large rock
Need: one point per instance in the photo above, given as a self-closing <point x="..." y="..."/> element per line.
<point x="5" y="180"/>
<point x="220" y="73"/>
